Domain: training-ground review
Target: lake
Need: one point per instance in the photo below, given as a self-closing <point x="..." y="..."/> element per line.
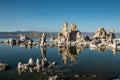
<point x="72" y="63"/>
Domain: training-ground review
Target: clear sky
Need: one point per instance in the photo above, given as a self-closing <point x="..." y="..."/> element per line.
<point x="49" y="15"/>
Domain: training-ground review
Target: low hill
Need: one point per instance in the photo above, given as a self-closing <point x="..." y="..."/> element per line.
<point x="34" y="34"/>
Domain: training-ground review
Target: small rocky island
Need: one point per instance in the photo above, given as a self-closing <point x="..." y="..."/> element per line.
<point x="72" y="37"/>
<point x="68" y="36"/>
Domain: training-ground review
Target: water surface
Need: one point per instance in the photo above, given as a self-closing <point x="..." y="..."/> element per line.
<point x="72" y="63"/>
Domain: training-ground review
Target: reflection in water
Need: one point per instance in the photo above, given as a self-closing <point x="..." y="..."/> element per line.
<point x="41" y="64"/>
<point x="10" y="44"/>
<point x="67" y="49"/>
<point x="70" y="51"/>
<point x="103" y="48"/>
<point x="22" y="45"/>
<point x="67" y="52"/>
<point x="30" y="46"/>
<point x="43" y="52"/>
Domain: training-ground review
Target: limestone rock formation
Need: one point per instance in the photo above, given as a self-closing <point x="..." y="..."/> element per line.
<point x="69" y="35"/>
<point x="79" y="37"/>
<point x="73" y="27"/>
<point x="101" y="33"/>
<point x="105" y="34"/>
<point x="43" y="40"/>
<point x="53" y="42"/>
<point x="23" y="37"/>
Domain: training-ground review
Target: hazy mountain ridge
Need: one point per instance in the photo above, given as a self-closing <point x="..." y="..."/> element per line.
<point x="29" y="33"/>
<point x="38" y="34"/>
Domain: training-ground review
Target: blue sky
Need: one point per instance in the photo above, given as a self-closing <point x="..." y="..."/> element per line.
<point x="49" y="15"/>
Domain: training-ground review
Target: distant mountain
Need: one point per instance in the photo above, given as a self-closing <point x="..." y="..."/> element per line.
<point x="38" y="34"/>
<point x="29" y="33"/>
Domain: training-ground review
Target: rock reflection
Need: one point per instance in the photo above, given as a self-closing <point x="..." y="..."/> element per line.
<point x="103" y="48"/>
<point x="40" y="65"/>
<point x="43" y="52"/>
<point x="22" y="45"/>
<point x="114" y="46"/>
<point x="70" y="51"/>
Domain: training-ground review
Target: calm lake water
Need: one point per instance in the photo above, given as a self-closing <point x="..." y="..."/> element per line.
<point x="72" y="63"/>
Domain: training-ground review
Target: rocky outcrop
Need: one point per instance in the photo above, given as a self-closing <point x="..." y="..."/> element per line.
<point x="101" y="33"/>
<point x="69" y="35"/>
<point x="40" y="64"/>
<point x="43" y="40"/>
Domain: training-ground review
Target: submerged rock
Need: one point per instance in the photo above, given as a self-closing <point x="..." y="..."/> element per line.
<point x="84" y="76"/>
<point x="4" y="66"/>
<point x="53" y="77"/>
<point x="31" y="66"/>
<point x="76" y="76"/>
<point x="94" y="76"/>
<point x="118" y="78"/>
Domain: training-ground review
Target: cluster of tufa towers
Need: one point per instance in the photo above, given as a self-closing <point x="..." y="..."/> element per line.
<point x="69" y="34"/>
<point x="72" y="34"/>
